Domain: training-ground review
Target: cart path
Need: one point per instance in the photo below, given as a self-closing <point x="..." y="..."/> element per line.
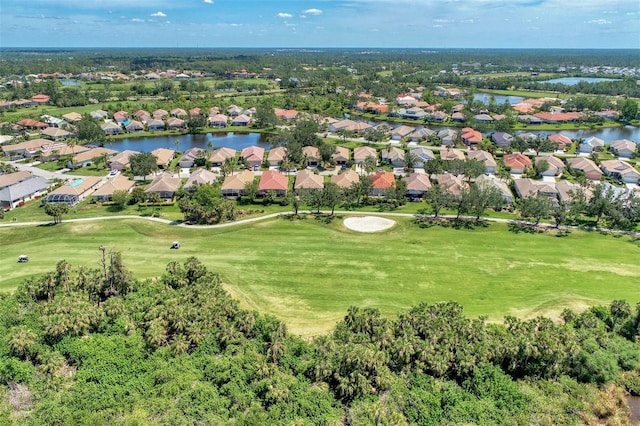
<point x="273" y="215"/>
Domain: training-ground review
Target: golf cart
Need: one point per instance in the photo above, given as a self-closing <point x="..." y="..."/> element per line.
<point x="175" y="245"/>
<point x="23" y="258"/>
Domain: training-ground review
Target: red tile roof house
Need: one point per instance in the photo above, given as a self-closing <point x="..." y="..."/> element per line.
<point x="273" y="180"/>
<point x="40" y="98"/>
<point x="471" y="137"/>
<point x="253" y="155"/>
<point x="562" y="117"/>
<point x="120" y="116"/>
<point x="142" y="114"/>
<point x="381" y="182"/>
<point x="28" y="123"/>
<point x="563" y="142"/>
<point x="286" y="114"/>
<point x="159" y="114"/>
<point x="517" y="162"/>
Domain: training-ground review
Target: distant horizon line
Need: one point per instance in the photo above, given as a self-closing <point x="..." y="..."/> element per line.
<point x="314" y="48"/>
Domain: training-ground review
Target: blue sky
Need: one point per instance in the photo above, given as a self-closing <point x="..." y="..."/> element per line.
<point x="321" y="23"/>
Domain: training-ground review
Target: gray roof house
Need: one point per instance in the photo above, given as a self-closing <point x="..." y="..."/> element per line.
<point x="422" y="155"/>
<point x="19" y="187"/>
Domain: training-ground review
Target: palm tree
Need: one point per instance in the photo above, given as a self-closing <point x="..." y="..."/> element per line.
<point x="21" y="341"/>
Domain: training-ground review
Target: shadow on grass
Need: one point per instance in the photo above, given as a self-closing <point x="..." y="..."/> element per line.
<point x="563" y="233"/>
<point x="115" y="209"/>
<point x="324" y="218"/>
<point x="292" y="217"/>
<point x="524" y="228"/>
<point x="455" y="223"/>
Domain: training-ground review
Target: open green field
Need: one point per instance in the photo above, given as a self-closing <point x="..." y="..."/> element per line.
<point x="308" y="272"/>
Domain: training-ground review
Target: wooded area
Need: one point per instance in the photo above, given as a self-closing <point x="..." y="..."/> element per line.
<point x="95" y="346"/>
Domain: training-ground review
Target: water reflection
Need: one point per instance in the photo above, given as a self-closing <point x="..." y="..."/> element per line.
<point x="208" y="141"/>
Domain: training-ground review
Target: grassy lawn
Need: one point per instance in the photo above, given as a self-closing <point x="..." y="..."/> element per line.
<point x="525" y="93"/>
<point x="308" y="272"/>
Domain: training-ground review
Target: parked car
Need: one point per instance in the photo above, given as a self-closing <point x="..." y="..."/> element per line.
<point x="23" y="258"/>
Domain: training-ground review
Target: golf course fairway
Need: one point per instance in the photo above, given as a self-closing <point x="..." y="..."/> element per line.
<point x="307" y="272"/>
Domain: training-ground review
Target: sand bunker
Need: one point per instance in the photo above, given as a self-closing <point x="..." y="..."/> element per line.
<point x="368" y="223"/>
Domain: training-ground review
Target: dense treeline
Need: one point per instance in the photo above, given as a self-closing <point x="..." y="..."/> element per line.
<point x="92" y="346"/>
<point x="23" y="61"/>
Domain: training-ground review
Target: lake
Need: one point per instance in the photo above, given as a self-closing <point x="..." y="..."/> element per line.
<point x="236" y="141"/>
<point x="572" y="81"/>
<point x="239" y="141"/>
<point x="500" y="99"/>
<point x="608" y="135"/>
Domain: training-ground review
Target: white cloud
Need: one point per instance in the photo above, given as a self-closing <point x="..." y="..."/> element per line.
<point x="312" y="12"/>
<point x="207" y="1"/>
<point x="598" y="22"/>
<point x="284" y="15"/>
<point x="159" y="14"/>
<point x="137" y="20"/>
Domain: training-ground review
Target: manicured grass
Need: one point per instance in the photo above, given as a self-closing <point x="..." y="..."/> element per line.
<point x="308" y="272"/>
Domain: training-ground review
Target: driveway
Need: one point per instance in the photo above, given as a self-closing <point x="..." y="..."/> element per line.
<point x="43" y="173"/>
